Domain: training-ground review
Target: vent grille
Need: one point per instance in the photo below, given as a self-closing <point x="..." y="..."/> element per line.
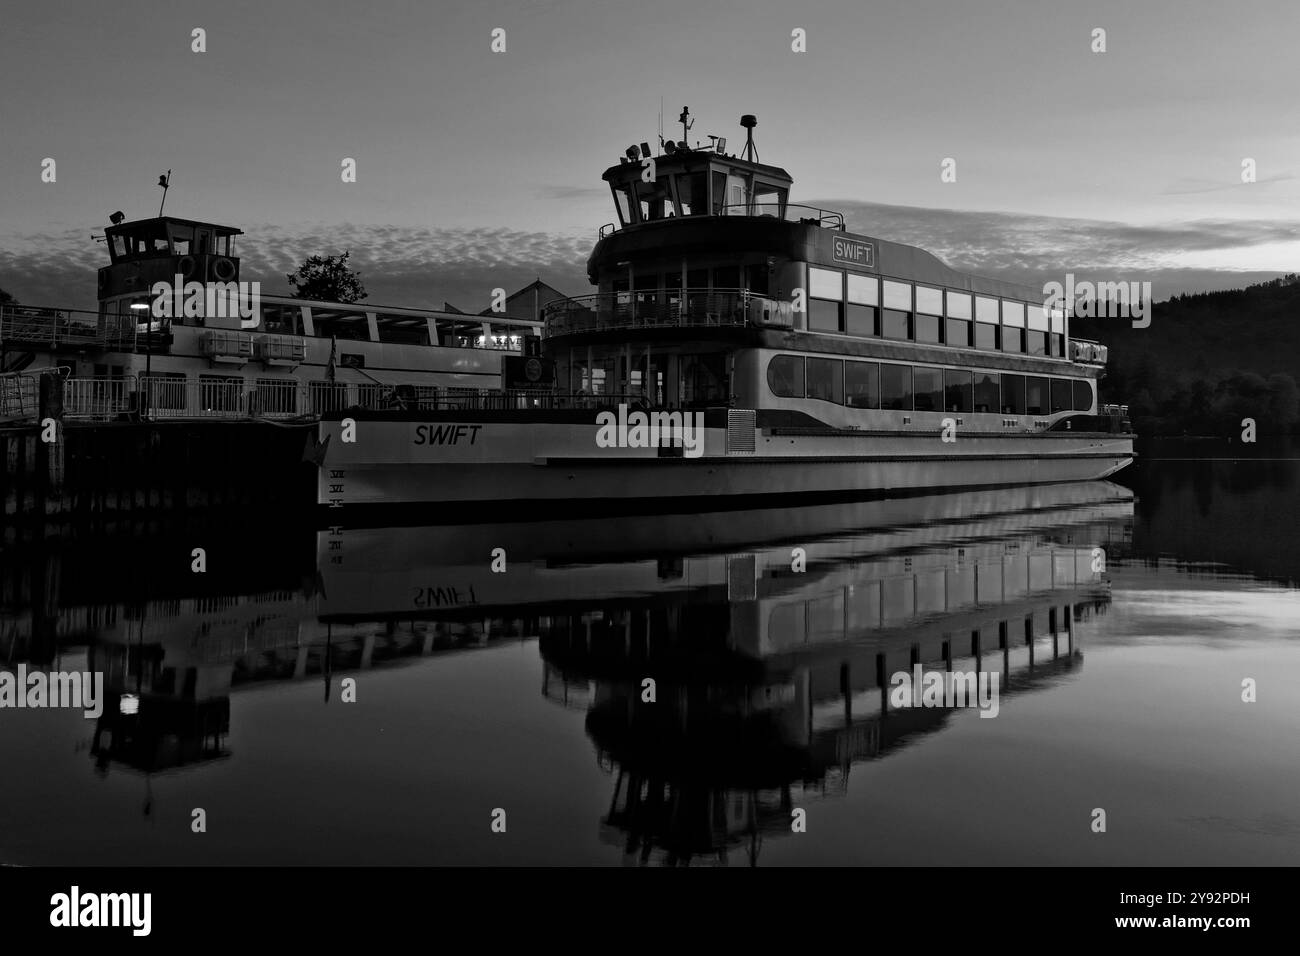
<point x="740" y="431"/>
<point x="742" y="577"/>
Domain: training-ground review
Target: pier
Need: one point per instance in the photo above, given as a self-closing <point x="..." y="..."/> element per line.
<point x="106" y="461"/>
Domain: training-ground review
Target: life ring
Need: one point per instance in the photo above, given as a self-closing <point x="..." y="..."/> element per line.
<point x="223" y="269"/>
<point x="185" y="266"/>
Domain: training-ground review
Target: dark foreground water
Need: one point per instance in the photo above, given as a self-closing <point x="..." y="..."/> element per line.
<point x="1121" y="623"/>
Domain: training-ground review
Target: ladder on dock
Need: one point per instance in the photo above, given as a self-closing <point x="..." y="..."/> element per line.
<point x="20" y="393"/>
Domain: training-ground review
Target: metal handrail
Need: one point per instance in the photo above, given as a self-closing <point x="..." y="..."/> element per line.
<point x="787" y="212"/>
<point x="669" y="308"/>
<point x="27" y="325"/>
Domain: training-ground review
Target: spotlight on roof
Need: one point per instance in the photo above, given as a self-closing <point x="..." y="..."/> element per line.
<point x="633" y="153"/>
<point x="117" y="217"/>
<point x="645" y="149"/>
<point x="670" y="147"/>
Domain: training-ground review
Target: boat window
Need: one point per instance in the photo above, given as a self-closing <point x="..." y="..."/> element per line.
<point x="726" y="277"/>
<point x="692" y="193"/>
<point x="825" y="316"/>
<point x="957" y="333"/>
<point x="927" y="328"/>
<point x="1056" y="344"/>
<point x="895" y="324"/>
<point x="865" y="290"/>
<point x="1082" y="395"/>
<point x="927" y="385"/>
<point x="1013" y="394"/>
<point x="1062" y="396"/>
<point x="1036" y="343"/>
<point x="825" y="380"/>
<point x="986" y="336"/>
<point x="986" y="392"/>
<point x="825" y="284"/>
<point x="1013" y="314"/>
<point x="653" y="199"/>
<point x="719" y="192"/>
<point x="1013" y="340"/>
<point x="785" y="376"/>
<point x="896" y="387"/>
<point x="898" y="295"/>
<point x="737" y="195"/>
<point x="623" y="200"/>
<point x="1039" y="317"/>
<point x="959" y="305"/>
<point x="862" y="384"/>
<point x="929" y="301"/>
<point x="1035" y="395"/>
<point x="986" y="309"/>
<point x="958" y="390"/>
<point x="861" y="320"/>
<point x="769" y="200"/>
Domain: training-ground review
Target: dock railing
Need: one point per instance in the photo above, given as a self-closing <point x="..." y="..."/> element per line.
<point x="99" y="397"/>
<point x="167" y="398"/>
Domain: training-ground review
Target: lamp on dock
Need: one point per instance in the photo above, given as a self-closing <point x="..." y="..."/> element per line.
<point x="148" y="348"/>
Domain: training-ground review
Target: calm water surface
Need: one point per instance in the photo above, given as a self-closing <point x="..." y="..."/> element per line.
<point x="1120" y="619"/>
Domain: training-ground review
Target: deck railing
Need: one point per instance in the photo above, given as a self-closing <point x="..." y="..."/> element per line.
<point x="700" y="308"/>
<point x="788" y="212"/>
<point x="25" y="326"/>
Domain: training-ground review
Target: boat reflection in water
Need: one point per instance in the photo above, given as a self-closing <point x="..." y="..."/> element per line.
<point x="771" y="665"/>
<point x="770" y="635"/>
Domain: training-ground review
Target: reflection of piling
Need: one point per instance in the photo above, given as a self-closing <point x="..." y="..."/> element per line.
<point x="127" y="469"/>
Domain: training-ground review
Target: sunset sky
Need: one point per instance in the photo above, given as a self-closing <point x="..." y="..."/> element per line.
<point x="478" y="169"/>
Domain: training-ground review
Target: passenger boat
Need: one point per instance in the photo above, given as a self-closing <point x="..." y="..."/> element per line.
<point x="288" y="358"/>
<point x="743" y="346"/>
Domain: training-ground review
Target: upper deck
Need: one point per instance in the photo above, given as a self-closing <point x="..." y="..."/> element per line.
<point x="708" y="244"/>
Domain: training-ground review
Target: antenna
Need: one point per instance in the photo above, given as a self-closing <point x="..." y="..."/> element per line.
<point x="661" y="122"/>
<point x="164" y="182"/>
<point x="687" y="123"/>
<point x="749" y="121"/>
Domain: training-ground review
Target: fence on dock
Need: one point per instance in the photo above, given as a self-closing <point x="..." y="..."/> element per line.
<point x="176" y="397"/>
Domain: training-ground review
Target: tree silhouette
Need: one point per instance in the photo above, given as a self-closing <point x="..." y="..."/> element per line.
<point x="327" y="279"/>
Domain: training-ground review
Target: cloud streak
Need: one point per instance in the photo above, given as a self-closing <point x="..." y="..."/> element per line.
<point x="425" y="267"/>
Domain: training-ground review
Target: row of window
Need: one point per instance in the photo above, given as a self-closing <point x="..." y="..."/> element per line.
<point x="868" y="306"/>
<point x="887" y="385"/>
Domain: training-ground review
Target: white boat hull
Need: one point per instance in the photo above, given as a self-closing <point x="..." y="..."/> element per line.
<point x="480" y="460"/>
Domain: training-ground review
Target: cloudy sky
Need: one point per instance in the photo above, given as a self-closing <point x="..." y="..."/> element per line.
<point x="478" y="169"/>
